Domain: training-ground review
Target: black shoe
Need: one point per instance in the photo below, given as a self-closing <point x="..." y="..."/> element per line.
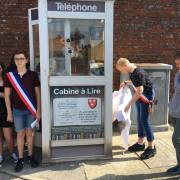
<point x="136" y="147"/>
<point x="33" y="163"/>
<point x="174" y="170"/>
<point x="19" y="165"/>
<point x="14" y="157"/>
<point x="148" y="153"/>
<point x="1" y="160"/>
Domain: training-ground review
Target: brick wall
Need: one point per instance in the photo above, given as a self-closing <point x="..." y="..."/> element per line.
<point x="14" y="26"/>
<point x="144" y="31"/>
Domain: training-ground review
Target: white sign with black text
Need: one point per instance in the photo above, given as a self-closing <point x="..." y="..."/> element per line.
<point x="77" y="111"/>
<point x="76" y="6"/>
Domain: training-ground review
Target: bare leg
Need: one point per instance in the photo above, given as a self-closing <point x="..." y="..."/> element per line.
<point x="140" y="140"/>
<point x="9" y="138"/>
<point x="30" y="141"/>
<point x="151" y="144"/>
<point x="20" y="142"/>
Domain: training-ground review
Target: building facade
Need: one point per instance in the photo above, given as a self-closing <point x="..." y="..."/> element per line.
<point x="144" y="31"/>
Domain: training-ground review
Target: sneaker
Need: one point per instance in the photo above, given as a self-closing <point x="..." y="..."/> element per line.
<point x="1" y="160"/>
<point x="136" y="147"/>
<point x="174" y="170"/>
<point x="14" y="157"/>
<point x="19" y="165"/>
<point x="148" y="153"/>
<point x="33" y="163"/>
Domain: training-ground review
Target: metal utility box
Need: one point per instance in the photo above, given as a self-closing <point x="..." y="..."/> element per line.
<point x="160" y="76"/>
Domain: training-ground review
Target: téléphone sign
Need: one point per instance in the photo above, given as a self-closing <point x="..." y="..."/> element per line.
<point x="74" y="106"/>
<point x="76" y="6"/>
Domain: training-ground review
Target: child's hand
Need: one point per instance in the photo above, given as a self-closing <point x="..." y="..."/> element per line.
<point x="122" y="85"/>
<point x="9" y="117"/>
<point x="38" y="115"/>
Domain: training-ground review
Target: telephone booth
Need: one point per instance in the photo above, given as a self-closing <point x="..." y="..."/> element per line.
<point x="71" y="47"/>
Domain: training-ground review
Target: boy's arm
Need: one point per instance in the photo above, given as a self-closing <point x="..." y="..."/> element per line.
<point x="7" y="94"/>
<point x="136" y="96"/>
<point x="38" y="102"/>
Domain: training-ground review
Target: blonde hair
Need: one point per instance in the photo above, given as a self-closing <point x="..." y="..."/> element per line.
<point x="122" y="62"/>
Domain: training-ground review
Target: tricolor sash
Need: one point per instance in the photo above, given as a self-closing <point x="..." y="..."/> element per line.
<point x="21" y="91"/>
<point x="143" y="98"/>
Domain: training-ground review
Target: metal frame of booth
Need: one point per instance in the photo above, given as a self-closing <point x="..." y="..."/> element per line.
<point x="48" y="81"/>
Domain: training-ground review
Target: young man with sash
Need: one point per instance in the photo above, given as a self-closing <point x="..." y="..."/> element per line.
<point x="22" y="97"/>
<point x="143" y="96"/>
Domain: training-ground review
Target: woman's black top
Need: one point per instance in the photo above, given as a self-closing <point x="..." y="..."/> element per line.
<point x="140" y="78"/>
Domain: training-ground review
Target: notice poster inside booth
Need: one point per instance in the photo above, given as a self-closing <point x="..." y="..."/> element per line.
<point x="77" y="112"/>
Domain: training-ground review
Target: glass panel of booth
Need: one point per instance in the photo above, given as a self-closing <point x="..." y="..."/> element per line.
<point x="36" y="51"/>
<point x="77" y="112"/>
<point x="76" y="47"/>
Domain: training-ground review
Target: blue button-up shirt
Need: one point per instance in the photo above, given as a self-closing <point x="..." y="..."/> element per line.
<point x="174" y="105"/>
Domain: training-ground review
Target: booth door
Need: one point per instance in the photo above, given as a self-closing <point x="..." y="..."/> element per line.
<point x="76" y="63"/>
<point x="76" y="48"/>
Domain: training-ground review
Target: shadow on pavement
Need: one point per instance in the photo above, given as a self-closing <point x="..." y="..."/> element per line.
<point x="160" y="176"/>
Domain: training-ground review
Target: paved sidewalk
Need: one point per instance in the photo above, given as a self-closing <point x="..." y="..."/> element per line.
<point x="123" y="166"/>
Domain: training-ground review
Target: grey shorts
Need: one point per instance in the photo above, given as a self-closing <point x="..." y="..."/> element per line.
<point x="22" y="119"/>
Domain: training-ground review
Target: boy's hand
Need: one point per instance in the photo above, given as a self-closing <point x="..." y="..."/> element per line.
<point x="38" y="115"/>
<point x="9" y="117"/>
<point x="122" y="85"/>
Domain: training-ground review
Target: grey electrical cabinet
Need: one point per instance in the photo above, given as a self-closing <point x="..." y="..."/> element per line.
<point x="160" y="76"/>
